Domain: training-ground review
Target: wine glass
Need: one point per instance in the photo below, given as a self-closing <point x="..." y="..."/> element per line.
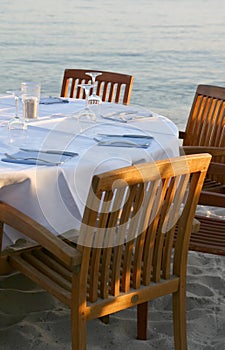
<point x="86" y="113"/>
<point x="16" y="95"/>
<point x="94" y="99"/>
<point x="93" y="76"/>
<point x="17" y="128"/>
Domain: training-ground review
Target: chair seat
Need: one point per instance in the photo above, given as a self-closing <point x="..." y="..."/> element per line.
<point x="46" y="270"/>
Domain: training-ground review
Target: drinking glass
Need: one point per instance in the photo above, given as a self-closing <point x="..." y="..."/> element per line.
<point x="94" y="98"/>
<point x="17" y="128"/>
<point x="17" y="131"/>
<point x="93" y="75"/>
<point x="86" y="113"/>
<point x="16" y="95"/>
<point x="30" y="93"/>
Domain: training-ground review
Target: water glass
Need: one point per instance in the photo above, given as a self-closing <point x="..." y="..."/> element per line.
<point x="86" y="114"/>
<point x="17" y="132"/>
<point x="30" y="93"/>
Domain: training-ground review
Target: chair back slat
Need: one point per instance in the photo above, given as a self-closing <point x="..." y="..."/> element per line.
<point x="151" y="229"/>
<point x="136" y="217"/>
<point x="105" y="273"/>
<point x="159" y="239"/>
<point x="177" y="199"/>
<point x="129" y="222"/>
<point x="110" y="86"/>
<point x="93" y="274"/>
<point x="111" y="91"/>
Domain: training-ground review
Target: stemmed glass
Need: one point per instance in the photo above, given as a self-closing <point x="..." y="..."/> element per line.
<point x="94" y="98"/>
<point x="16" y="95"/>
<point x="86" y="113"/>
<point x="16" y="126"/>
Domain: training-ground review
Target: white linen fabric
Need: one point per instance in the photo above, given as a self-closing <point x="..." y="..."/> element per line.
<point x="55" y="195"/>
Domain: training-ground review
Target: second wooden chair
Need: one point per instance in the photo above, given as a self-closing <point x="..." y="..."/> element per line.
<point x="110" y="86"/>
<point x="205" y="132"/>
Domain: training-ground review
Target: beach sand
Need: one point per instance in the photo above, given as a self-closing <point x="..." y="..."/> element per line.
<point x="31" y="319"/>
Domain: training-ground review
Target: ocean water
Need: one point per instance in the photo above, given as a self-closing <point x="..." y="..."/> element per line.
<point x="170" y="46"/>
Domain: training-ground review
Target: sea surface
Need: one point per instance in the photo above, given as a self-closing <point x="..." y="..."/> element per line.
<point x="170" y="46"/>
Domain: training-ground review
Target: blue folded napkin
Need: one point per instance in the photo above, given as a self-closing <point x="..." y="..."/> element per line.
<point x="52" y="100"/>
<point x="36" y="158"/>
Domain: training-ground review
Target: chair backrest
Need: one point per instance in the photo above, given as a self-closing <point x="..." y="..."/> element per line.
<point x="111" y="87"/>
<point x="127" y="232"/>
<point x="206" y="122"/>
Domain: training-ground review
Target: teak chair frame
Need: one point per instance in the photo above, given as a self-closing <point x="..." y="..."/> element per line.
<point x="110" y="86"/>
<point x="124" y="254"/>
<point x="205" y="132"/>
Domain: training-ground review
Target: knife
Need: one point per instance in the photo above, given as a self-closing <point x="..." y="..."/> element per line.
<point x="115" y="119"/>
<point x="135" y="136"/>
<point x="64" y="153"/>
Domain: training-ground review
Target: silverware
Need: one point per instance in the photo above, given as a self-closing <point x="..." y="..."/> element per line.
<point x="124" y="117"/>
<point x="63" y="153"/>
<point x="130" y="136"/>
<point x="32" y="158"/>
<point x="120" y="143"/>
<point x="121" y="120"/>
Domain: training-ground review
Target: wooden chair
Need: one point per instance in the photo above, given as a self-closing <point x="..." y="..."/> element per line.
<point x="111" y="87"/>
<point x="124" y="254"/>
<point x="205" y="132"/>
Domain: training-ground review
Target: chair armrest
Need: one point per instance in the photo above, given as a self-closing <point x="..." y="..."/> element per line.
<point x="216" y="168"/>
<point x="214" y="151"/>
<point x="215" y="199"/>
<point x="39" y="234"/>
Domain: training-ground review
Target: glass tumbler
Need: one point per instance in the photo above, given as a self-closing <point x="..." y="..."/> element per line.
<point x="30" y="93"/>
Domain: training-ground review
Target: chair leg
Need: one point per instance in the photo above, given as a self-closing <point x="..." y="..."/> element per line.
<point x="142" y="321"/>
<point x="179" y="319"/>
<point x="78" y="331"/>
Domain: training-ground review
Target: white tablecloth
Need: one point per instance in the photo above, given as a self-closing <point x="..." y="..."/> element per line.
<point x="55" y="195"/>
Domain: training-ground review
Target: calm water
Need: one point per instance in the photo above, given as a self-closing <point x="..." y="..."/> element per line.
<point x="169" y="46"/>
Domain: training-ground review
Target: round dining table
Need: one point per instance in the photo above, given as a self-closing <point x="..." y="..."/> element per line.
<point x="46" y="169"/>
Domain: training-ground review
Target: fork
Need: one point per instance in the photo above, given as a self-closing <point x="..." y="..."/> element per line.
<point x="32" y="158"/>
<point x="121" y="120"/>
<point x="119" y="143"/>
